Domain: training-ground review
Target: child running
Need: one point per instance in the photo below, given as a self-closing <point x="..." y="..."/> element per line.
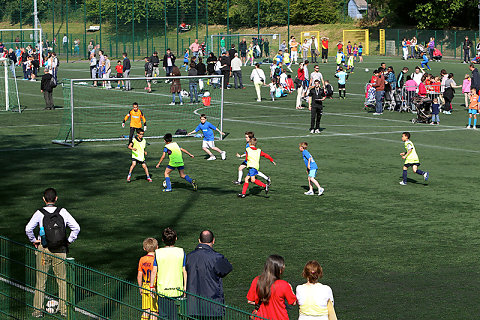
<point x="145" y="266"/>
<point x="311" y="170"/>
<point x="411" y="159"/>
<point x="252" y="156"/>
<point x="175" y="162"/>
<point x="137" y="145"/>
<point x="473" y="109"/>
<point x="248" y="136"/>
<point x="208" y="139"/>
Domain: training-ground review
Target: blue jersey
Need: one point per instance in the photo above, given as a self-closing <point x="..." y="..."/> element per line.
<point x="306" y="155"/>
<point x="207" y="129"/>
<point x="342" y="77"/>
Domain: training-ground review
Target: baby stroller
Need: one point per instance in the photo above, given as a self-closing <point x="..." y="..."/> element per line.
<point x="419" y="50"/>
<point x="370" y="100"/>
<point x="424" y="110"/>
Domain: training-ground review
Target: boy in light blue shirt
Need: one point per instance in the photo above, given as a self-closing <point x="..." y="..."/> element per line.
<point x="208" y="138"/>
<point x="342" y="80"/>
<point x="311" y="170"/>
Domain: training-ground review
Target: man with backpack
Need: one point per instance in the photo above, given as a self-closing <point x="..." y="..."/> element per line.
<point x="46" y="87"/>
<point x="52" y="244"/>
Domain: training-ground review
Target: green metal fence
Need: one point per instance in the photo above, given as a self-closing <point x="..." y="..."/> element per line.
<point x="90" y="294"/>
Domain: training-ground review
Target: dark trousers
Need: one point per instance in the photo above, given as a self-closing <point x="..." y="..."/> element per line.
<point x="430" y="52"/>
<point x="48" y="99"/>
<point x="132" y="132"/>
<point x="315" y="116"/>
<point x="226" y="78"/>
<point x="168" y="70"/>
<point x="237" y="78"/>
<point x="466" y="55"/>
<point x="314" y="55"/>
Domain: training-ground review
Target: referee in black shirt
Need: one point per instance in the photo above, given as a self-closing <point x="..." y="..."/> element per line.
<point x="315" y="105"/>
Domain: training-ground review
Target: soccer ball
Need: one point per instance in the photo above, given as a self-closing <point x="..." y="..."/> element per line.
<point x="164" y="183"/>
<point x="366" y="70"/>
<point x="206" y="94"/>
<point x="184" y="93"/>
<point x="52" y="306"/>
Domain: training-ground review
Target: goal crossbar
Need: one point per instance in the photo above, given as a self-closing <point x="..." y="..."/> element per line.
<point x="273" y="35"/>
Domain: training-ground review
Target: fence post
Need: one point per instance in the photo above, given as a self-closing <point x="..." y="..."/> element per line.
<point x="116" y="28"/>
<point x="455" y="45"/>
<point x="133" y="30"/>
<point x="146" y="7"/>
<point x="176" y="26"/>
<point x="398" y="41"/>
<point x="53" y="24"/>
<point x="100" y="14"/>
<point x="70" y="275"/>
<point x="165" y="27"/>
<point x="66" y="19"/>
<point x="206" y="26"/>
<point x="85" y="29"/>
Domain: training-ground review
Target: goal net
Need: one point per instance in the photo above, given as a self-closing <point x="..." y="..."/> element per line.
<point x="96" y="113"/>
<point x="265" y="45"/>
<point x="8" y="86"/>
<point x="359" y="36"/>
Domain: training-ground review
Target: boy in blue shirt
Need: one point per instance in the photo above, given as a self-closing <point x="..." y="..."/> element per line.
<point x="311" y="170"/>
<point x="342" y="79"/>
<point x="424" y="62"/>
<point x="208" y="138"/>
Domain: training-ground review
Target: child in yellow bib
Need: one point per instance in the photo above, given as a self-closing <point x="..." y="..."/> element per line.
<point x="411" y="159"/>
<point x="137" y="145"/>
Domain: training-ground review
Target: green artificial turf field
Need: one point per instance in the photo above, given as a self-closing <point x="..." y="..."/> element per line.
<point x="388" y="251"/>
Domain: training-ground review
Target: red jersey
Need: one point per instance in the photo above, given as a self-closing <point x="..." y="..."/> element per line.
<point x="324" y="44"/>
<point x="340" y="47"/>
<point x="275" y="307"/>
<point x="119" y="68"/>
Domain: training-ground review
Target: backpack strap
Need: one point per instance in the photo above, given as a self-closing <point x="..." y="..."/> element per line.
<point x="45" y="212"/>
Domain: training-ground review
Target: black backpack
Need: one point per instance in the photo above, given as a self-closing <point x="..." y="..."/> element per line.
<point x="55" y="231"/>
<point x="53" y="82"/>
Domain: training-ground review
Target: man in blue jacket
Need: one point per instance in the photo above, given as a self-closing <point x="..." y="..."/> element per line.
<point x="205" y="269"/>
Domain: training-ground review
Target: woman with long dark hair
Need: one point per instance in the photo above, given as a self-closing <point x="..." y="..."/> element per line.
<point x="269" y="293"/>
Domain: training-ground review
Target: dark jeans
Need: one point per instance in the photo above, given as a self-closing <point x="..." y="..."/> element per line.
<point x="237" y="78"/>
<point x="430" y="52"/>
<point x="168" y="70"/>
<point x="466" y="55"/>
<point x="226" y="78"/>
<point x="378" y="99"/>
<point x="315" y="116"/>
<point x="193" y="91"/>
<point x="314" y="55"/>
<point x="48" y="99"/>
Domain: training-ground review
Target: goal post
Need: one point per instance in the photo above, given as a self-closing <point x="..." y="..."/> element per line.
<point x="8" y="86"/>
<point x="96" y="113"/>
<point x="274" y="40"/>
<point x="357" y="36"/>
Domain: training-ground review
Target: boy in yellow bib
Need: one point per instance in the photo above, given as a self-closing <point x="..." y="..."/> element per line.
<point x="137" y="145"/>
<point x="411" y="159"/>
<point x="175" y="162"/>
<point x="252" y="156"/>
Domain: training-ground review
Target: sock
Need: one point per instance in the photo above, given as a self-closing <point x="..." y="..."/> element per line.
<point x="169" y="184"/>
<point x="262" y="175"/>
<point x="339" y="93"/>
<point x="404" y="176"/>
<point x="344" y="93"/>
<point x="130" y="174"/>
<point x="474" y="123"/>
<point x="469" y="122"/>
<point x="148" y="176"/>
<point x="240" y="175"/>
<point x="188" y="179"/>
<point x="245" y="187"/>
<point x="259" y="183"/>
<point x="420" y="172"/>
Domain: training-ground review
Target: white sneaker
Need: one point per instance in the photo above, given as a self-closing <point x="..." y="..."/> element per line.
<point x="181" y="103"/>
<point x="312" y="131"/>
<point x="172" y="103"/>
<point x="309" y="193"/>
<point x="469" y="127"/>
<point x="211" y="158"/>
<point x="224" y="155"/>
<point x="317" y="131"/>
<point x="474" y="128"/>
<point x="259" y="100"/>
<point x="320" y="191"/>
<point x="376" y="114"/>
<point x="403" y="183"/>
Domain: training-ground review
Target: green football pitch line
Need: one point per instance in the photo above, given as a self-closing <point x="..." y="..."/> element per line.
<point x="388" y="251"/>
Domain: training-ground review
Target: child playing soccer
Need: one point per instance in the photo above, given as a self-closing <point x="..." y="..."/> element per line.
<point x="208" y="138"/>
<point x="119" y="69"/>
<point x="424" y="62"/>
<point x="175" y="162"/>
<point x="248" y="136"/>
<point x="135" y="121"/>
<point x="145" y="266"/>
<point x="253" y="155"/>
<point x="311" y="169"/>
<point x="138" y="154"/>
<point x="473" y="109"/>
<point x="411" y="159"/>
<point x="350" y="65"/>
<point x="339" y="58"/>
<point x="342" y="80"/>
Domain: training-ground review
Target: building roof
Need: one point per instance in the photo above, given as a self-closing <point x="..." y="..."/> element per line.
<point x="361" y="4"/>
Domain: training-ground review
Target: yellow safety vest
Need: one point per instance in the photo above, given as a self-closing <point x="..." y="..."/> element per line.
<point x="169" y="271"/>
<point x="253" y="158"/>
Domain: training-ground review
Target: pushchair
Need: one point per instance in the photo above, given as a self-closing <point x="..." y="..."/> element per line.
<point x="370" y="100"/>
<point x="424" y="110"/>
<point x="419" y="51"/>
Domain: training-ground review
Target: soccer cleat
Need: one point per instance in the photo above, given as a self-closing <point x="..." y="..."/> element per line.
<point x="224" y="155"/>
<point x="149" y="180"/>
<point x="128" y="178"/>
<point x="317" y="131"/>
<point x="426" y="175"/>
<point x="403" y="183"/>
<point x="309" y="193"/>
<point x="469" y="127"/>
<point x="269" y="181"/>
<point x="172" y="103"/>
<point x="236" y="182"/>
<point x="167" y="190"/>
<point x="266" y="189"/>
<point x="194" y="185"/>
<point x="312" y="131"/>
<point x="320" y="191"/>
<point x="241" y="195"/>
<point x="211" y="158"/>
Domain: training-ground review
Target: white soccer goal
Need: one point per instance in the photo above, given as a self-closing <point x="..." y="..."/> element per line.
<point x="8" y="86"/>
<point x="96" y="113"/>
<point x="274" y="39"/>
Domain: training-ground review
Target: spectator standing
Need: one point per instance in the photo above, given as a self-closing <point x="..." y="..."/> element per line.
<point x="52" y="248"/>
<point x="269" y="293"/>
<point x="315" y="106"/>
<point x="316" y="75"/>
<point x="305" y="49"/>
<point x="258" y="78"/>
<point x="93" y="68"/>
<point x="232" y="52"/>
<point x="475" y="78"/>
<point x="325" y="49"/>
<point x="223" y="46"/>
<point x="225" y="63"/>
<point x="413" y="44"/>
<point x="242" y="47"/>
<point x="236" y="64"/>
<point x="402" y="77"/>
<point x="168" y="62"/>
<point x="283" y="47"/>
<point x="466" y="87"/>
<point x="155" y="60"/>
<point x="65" y="43"/>
<point x="266" y="47"/>
<point x="193" y="83"/>
<point x="449" y="93"/>
<point x="293" y="50"/>
<point x="379" y="86"/>
<point x="126" y="71"/>
<point x="315" y="299"/>
<point x="46" y="88"/>
<point x="299" y="84"/>
<point x="176" y="86"/>
<point x="466" y="45"/>
<point x="108" y="71"/>
<point x="201" y="71"/>
<point x="206" y="268"/>
<point x="211" y="61"/>
<point x="76" y="47"/>
<point x="195" y="48"/>
<point x="431" y="46"/>
<point x="314" y="49"/>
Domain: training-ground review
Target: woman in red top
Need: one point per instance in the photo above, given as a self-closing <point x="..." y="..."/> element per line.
<point x="299" y="85"/>
<point x="270" y="292"/>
